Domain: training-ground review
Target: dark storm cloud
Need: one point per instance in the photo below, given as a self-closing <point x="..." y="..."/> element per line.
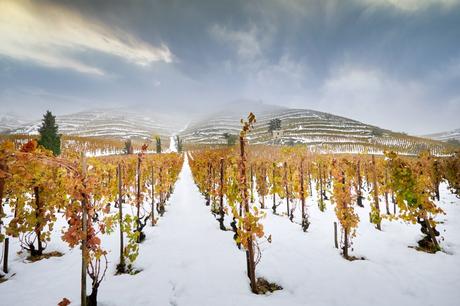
<point x="395" y="64"/>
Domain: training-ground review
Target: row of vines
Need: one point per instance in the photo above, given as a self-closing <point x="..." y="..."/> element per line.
<point x="95" y="196"/>
<point x="242" y="182"/>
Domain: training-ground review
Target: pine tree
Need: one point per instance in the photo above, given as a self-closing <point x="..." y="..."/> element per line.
<point x="158" y="144"/>
<point x="49" y="137"/>
<point x="231" y="139"/>
<point x="128" y="147"/>
<point x="179" y="144"/>
<point x="274" y="125"/>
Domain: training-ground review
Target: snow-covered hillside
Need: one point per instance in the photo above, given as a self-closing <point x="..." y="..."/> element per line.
<point x="318" y="130"/>
<point x="297" y="125"/>
<point x="302" y="126"/>
<point x="187" y="261"/>
<point x="116" y="123"/>
<point x="9" y="122"/>
<point x="444" y="136"/>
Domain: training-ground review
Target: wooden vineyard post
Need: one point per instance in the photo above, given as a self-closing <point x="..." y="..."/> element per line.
<point x="213" y="197"/>
<point x="394" y="202"/>
<point x="336" y="243"/>
<point x="376" y="214"/>
<point x="153" y="196"/>
<point x="286" y="189"/>
<point x="305" y="222"/>
<point x="437" y="180"/>
<point x="5" y="254"/>
<point x="264" y="176"/>
<point x="84" y="263"/>
<point x="2" y="187"/>
<point x="302" y="193"/>
<point x="251" y="183"/>
<point x="120" y="217"/>
<point x="345" y="229"/>
<point x="138" y="198"/>
<point x="221" y="196"/>
<point x="359" y="187"/>
<point x="160" y="179"/>
<point x="321" y="200"/>
<point x="209" y="182"/>
<point x="387" y="204"/>
<point x="274" y="193"/>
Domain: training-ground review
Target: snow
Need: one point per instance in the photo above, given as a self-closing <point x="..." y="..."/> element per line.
<point x="443" y="136"/>
<point x="187" y="260"/>
<point x="172" y="144"/>
<point x="114" y="122"/>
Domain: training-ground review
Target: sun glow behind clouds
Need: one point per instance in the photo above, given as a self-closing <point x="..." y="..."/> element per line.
<point x="413" y="5"/>
<point x="53" y="36"/>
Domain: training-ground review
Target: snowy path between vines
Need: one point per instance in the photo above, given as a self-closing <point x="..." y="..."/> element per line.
<point x="187" y="260"/>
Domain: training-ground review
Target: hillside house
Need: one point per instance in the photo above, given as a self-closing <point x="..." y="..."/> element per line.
<point x="277" y="134"/>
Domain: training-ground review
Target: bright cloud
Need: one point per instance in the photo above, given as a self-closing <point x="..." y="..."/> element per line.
<point x="53" y="36"/>
<point x="247" y="43"/>
<point x="413" y="5"/>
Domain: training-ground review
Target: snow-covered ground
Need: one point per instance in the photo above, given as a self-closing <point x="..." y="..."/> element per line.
<point x="187" y="260"/>
<point x="172" y="144"/>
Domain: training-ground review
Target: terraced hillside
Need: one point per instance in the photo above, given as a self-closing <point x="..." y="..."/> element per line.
<point x="445" y="136"/>
<point x="9" y="122"/>
<point x="111" y="123"/>
<point x="318" y="130"/>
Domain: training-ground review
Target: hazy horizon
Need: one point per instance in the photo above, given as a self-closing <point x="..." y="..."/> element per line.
<point x="392" y="64"/>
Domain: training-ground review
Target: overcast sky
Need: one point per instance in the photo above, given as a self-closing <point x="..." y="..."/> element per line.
<point x="391" y="63"/>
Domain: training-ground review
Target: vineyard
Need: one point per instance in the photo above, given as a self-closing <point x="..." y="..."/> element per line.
<point x="92" y="195"/>
<point x="237" y="225"/>
<point x="92" y="146"/>
<point x="317" y="131"/>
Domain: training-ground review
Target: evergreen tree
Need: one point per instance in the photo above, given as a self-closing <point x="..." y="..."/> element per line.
<point x="231" y="139"/>
<point x="179" y="144"/>
<point x="128" y="147"/>
<point x="274" y="125"/>
<point x="158" y="144"/>
<point x="49" y="137"/>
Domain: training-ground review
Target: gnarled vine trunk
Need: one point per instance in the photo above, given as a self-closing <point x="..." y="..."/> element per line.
<point x="91" y="300"/>
<point x="245" y="202"/>
<point x="359" y="185"/>
<point x="38" y="226"/>
<point x="221" y="197"/>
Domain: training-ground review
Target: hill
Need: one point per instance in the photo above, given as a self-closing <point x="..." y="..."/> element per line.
<point x="108" y="123"/>
<point x="9" y="122"/>
<point x="318" y="130"/>
<point x="445" y="136"/>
